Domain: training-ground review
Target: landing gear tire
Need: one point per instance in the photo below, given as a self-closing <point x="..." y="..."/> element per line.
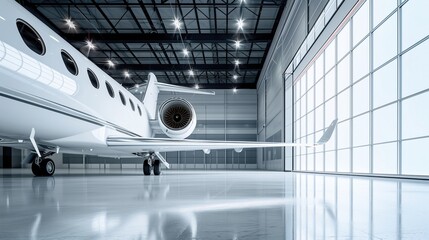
<point x="46" y="167"/>
<point x="146" y="167"/>
<point x="156" y="167"/>
<point x="36" y="169"/>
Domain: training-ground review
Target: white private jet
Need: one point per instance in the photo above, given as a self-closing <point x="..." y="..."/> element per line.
<point x="54" y="99"/>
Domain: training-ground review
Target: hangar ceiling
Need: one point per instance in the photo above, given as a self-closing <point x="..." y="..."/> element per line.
<point x="212" y="43"/>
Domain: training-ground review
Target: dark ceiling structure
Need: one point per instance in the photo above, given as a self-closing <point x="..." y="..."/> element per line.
<point x="212" y="43"/>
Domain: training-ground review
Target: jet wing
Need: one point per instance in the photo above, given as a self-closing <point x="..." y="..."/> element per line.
<point x="139" y="144"/>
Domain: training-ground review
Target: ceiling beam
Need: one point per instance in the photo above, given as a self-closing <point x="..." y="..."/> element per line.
<point x="210" y="85"/>
<point x="164" y="38"/>
<point x="185" y="67"/>
<point x="112" y="4"/>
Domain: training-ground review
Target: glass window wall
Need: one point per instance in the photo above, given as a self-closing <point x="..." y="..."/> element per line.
<point x="377" y="86"/>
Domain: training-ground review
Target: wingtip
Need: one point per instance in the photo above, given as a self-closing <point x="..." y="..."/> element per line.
<point x="328" y="133"/>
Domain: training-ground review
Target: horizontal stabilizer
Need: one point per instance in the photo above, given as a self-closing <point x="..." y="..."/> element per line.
<point x="154" y="87"/>
<point x="180" y="89"/>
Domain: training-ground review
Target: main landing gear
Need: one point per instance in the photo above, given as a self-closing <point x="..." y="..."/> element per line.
<point x="150" y="162"/>
<point x="43" y="166"/>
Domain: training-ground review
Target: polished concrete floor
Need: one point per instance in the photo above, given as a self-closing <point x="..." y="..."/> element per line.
<point x="114" y="204"/>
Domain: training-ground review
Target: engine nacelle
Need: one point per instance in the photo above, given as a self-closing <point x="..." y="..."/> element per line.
<point x="177" y="118"/>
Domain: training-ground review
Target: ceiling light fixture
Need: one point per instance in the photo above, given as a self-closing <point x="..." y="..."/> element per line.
<point x="234" y="90"/>
<point x="177" y="23"/>
<point x="191" y="72"/>
<point x="110" y="63"/>
<point x="235" y="77"/>
<point x="237" y="62"/>
<point x="237" y="43"/>
<point x="126" y="74"/>
<point x="185" y="52"/>
<point x="242" y="1"/>
<point x="240" y="24"/>
<point x="89" y="44"/>
<point x="70" y="23"/>
<point x="197" y="87"/>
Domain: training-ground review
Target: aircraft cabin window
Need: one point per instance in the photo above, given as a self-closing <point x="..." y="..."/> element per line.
<point x="132" y="105"/>
<point x="69" y="62"/>
<point x="122" y="98"/>
<point x="31" y="38"/>
<point x="110" y="90"/>
<point x="93" y="78"/>
<point x="140" y="111"/>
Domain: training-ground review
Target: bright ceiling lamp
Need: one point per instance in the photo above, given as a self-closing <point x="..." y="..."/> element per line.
<point x="237" y="44"/>
<point x="185" y="52"/>
<point x="70" y="23"/>
<point x="177" y="24"/>
<point x="110" y="63"/>
<point x="240" y="24"/>
<point x="90" y="45"/>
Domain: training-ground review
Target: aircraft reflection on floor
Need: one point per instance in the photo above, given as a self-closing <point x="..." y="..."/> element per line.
<point x="154" y="211"/>
<point x="114" y="204"/>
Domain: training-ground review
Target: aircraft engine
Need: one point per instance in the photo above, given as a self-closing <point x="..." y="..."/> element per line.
<point x="177" y="118"/>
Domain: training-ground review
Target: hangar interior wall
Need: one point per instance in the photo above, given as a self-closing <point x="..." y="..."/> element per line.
<point x="225" y="116"/>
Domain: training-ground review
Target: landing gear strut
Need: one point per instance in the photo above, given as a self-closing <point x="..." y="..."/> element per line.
<point x="43" y="166"/>
<point x="151" y="163"/>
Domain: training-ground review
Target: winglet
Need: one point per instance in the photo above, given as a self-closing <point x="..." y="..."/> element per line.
<point x="328" y="133"/>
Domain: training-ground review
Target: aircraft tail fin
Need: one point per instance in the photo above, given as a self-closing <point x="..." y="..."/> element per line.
<point x="154" y="87"/>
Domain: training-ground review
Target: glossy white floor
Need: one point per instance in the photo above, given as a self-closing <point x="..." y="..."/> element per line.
<point x="92" y="204"/>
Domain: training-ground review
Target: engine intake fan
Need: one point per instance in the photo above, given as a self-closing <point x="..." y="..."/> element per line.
<point x="176" y="117"/>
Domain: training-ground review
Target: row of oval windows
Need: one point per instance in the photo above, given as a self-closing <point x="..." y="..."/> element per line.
<point x="34" y="41"/>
